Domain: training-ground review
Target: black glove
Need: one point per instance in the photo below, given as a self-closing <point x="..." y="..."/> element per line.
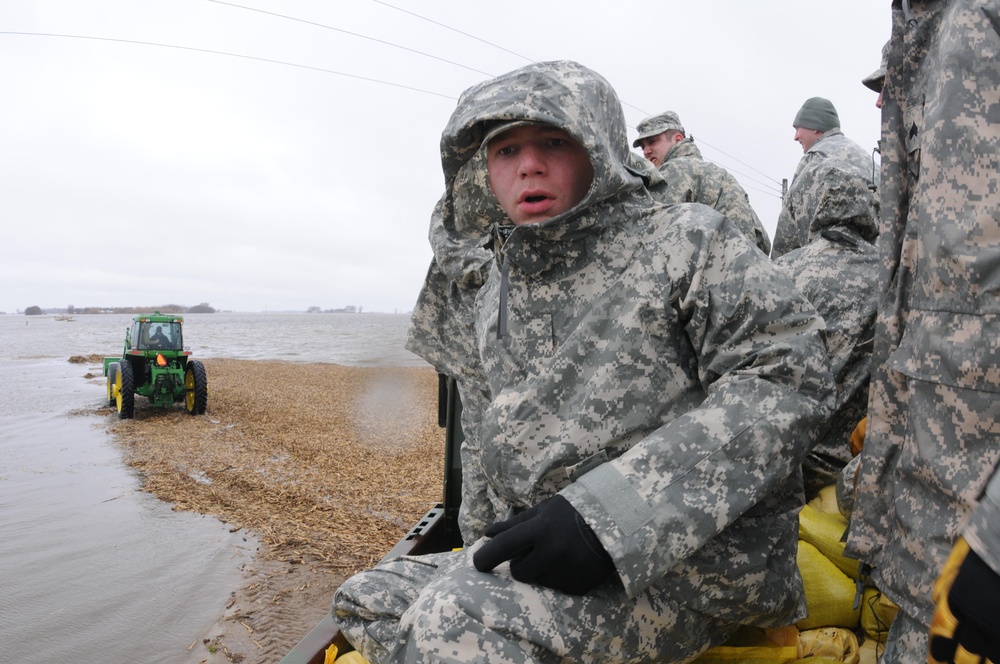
<point x="965" y="627"/>
<point x="549" y="544"/>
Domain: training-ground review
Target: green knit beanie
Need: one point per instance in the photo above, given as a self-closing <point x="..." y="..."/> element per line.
<point x="817" y="113"/>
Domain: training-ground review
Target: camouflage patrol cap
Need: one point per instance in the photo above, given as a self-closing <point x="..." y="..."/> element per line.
<point x="657" y="125"/>
<point x="874" y="80"/>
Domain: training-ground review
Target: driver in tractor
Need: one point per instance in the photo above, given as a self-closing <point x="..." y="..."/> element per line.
<point x="159" y="339"/>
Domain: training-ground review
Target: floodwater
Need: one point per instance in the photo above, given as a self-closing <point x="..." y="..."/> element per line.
<point x="94" y="570"/>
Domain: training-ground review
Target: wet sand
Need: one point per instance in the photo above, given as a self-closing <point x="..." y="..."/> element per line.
<point x="327" y="465"/>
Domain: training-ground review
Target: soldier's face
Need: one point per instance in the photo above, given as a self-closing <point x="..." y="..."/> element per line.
<point x="655" y="148"/>
<point x="807" y="137"/>
<point x="537" y="172"/>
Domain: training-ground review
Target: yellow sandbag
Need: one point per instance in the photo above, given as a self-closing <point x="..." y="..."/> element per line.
<point x="877" y="613"/>
<point x="826" y="500"/>
<point x="751" y="645"/>
<point x="829" y="592"/>
<point x="829" y="643"/>
<point x="870" y="651"/>
<point x="823" y="530"/>
<point x="766" y="654"/>
<point x="353" y="657"/>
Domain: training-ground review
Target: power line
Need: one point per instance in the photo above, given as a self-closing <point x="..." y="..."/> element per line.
<point x="354" y="34"/>
<point x="365" y="78"/>
<point x="232" y="55"/>
<point x="524" y="57"/>
<point x="448" y="27"/>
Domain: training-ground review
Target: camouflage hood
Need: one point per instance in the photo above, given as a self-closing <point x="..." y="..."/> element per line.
<point x="834" y="195"/>
<point x="563" y="94"/>
<point x="468" y="227"/>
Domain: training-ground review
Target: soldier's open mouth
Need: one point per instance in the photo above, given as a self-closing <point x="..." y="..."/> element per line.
<point x="535" y="199"/>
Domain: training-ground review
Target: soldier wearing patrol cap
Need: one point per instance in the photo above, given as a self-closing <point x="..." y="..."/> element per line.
<point x="875" y="80"/>
<point x="691" y="179"/>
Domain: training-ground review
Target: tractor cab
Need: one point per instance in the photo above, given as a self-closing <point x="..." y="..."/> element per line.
<point x="157" y="335"/>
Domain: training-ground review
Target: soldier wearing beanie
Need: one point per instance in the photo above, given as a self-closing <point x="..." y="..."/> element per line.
<point x="817" y="130"/>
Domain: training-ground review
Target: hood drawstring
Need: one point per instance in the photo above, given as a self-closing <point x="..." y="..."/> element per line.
<point x="911" y="20"/>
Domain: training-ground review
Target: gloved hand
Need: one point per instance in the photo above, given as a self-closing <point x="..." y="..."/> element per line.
<point x="965" y="628"/>
<point x="549" y="544"/>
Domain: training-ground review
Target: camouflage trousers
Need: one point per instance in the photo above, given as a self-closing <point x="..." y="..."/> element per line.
<point x="439" y="608"/>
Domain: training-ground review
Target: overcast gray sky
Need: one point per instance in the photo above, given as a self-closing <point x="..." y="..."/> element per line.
<point x="142" y="174"/>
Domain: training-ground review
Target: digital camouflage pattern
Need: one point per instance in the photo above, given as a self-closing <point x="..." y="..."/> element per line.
<point x="838" y="272"/>
<point x="933" y="438"/>
<point x="658" y="124"/>
<point x="792" y="229"/>
<point x="691" y="179"/>
<point x="646" y="362"/>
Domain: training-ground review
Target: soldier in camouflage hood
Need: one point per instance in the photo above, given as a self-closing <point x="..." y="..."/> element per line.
<point x="928" y="483"/>
<point x="641" y="386"/>
<point x="817" y="128"/>
<point x="691" y="179"/>
<point x="838" y="271"/>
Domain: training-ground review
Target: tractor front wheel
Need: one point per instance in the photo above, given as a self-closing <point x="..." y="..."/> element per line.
<point x="125" y="391"/>
<point x="195" y="388"/>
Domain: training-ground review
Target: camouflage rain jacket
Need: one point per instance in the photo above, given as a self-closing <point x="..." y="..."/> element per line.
<point x="646" y="362"/>
<point x="691" y="179"/>
<point x="932" y="444"/>
<point x="838" y="271"/>
<point x="792" y="230"/>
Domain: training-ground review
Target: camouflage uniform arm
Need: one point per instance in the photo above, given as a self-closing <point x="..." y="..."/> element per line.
<point x="768" y="387"/>
<point x="734" y="203"/>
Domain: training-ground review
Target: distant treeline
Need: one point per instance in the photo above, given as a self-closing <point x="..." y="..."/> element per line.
<point x="352" y="309"/>
<point x="203" y="308"/>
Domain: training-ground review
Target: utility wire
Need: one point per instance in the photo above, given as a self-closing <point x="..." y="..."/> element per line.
<point x="448" y="27"/>
<point x="365" y="78"/>
<point x="355" y="34"/>
<point x="232" y="55"/>
<point x="524" y="57"/>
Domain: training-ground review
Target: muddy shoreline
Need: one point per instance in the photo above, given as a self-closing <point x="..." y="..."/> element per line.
<point x="327" y="466"/>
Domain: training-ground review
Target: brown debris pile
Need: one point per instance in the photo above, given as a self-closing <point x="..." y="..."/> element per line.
<point x="325" y="463"/>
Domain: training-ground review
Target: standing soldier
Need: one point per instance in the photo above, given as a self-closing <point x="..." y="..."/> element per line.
<point x="928" y="490"/>
<point x="691" y="179"/>
<point x="817" y="130"/>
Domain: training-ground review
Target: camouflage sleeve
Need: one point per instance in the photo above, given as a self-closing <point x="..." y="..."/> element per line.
<point x="733" y="203"/>
<point x="764" y="369"/>
<point x="785" y="231"/>
<point x="792" y="229"/>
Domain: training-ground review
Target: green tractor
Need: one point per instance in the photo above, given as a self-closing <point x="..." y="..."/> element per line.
<point x="155" y="365"/>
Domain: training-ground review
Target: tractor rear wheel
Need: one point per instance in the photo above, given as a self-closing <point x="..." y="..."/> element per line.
<point x="112" y="379"/>
<point x="195" y="388"/>
<point x="125" y="386"/>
